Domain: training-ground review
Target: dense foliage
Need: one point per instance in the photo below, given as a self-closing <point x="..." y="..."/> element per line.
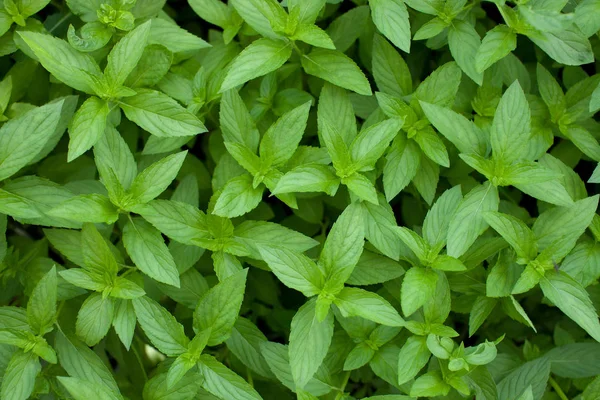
<point x="311" y="199"/>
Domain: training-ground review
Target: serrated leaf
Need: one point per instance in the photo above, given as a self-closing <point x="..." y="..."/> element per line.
<point x="160" y="115"/>
<point x="219" y="307"/>
<point x="161" y="327"/>
<point x="261" y="57"/>
<point x="147" y="249"/>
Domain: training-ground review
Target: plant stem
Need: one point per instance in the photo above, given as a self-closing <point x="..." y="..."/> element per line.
<point x="343" y="387"/>
<point x="557" y="389"/>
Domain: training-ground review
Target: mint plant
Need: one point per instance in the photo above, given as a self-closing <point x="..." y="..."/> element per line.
<point x="299" y="199"/>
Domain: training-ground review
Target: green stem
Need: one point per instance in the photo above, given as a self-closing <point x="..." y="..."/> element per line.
<point x="343" y="387"/>
<point x="58" y="310"/>
<point x="296" y="48"/>
<point x="250" y="379"/>
<point x="557" y="389"/>
<point x="139" y="358"/>
<point x="60" y="21"/>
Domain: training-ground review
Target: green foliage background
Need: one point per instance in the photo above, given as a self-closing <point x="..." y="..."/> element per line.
<point x="313" y="199"/>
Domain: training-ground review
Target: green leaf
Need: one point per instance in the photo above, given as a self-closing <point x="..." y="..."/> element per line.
<point x="87" y="126"/>
<point x="595" y="100"/>
<point x="528" y="172"/>
<point x="468" y="222"/>
<point x="81" y="362"/>
<point x="464" y="43"/>
<point x="575" y="360"/>
<point x="249" y="11"/>
<point x="219" y="308"/>
<point x="358" y="357"/>
<point x="379" y="223"/>
<point x="245" y="342"/>
<point x="94" y="318"/>
<point x="551" y="92"/>
<point x="246" y="158"/>
<point x="343" y="246"/>
<point x="586" y="17"/>
<point x="22" y="138"/>
<point x="148" y="251"/>
<point x="41" y="307"/>
<point x="440" y="86"/>
<point x="309" y="178"/>
<point x="402" y="164"/>
<point x="260" y="234"/>
<point x="123" y="288"/>
<point x="84" y="279"/>
<point x="186" y="389"/>
<point x="309" y="342"/>
<point x="362" y="187"/>
<point x="337" y="68"/>
<point x="236" y="122"/>
<point x="213" y="11"/>
<point x="482" y="308"/>
<point x="224" y="383"/>
<point x="125" y="55"/>
<point x="444" y="262"/>
<point x="87" y="208"/>
<point x="19" y="379"/>
<point x="584" y="141"/>
<point x="336" y="147"/>
<point x="160" y="115"/>
<point x="179" y="221"/>
<point x="373" y="268"/>
<point x="153" y="65"/>
<point x="437" y="220"/>
<point x="97" y="256"/>
<point x="431" y="28"/>
<point x="391" y="18"/>
<point x="426" y="179"/>
<point x="306" y="11"/>
<point x="564" y="225"/>
<point x="348" y="27"/>
<point x="112" y="155"/>
<point x="430" y="384"/>
<point x="124" y="321"/>
<point x="294" y="269"/>
<point x="314" y="36"/>
<point x="569" y="46"/>
<point x="261" y="57"/>
<point x="418" y="287"/>
<point x="177" y="40"/>
<point x="552" y="192"/>
<point x="281" y="140"/>
<point x="515" y="232"/>
<point x="71" y="67"/>
<point x="497" y="44"/>
<point x="178" y="369"/>
<point x="414" y="355"/>
<point x="238" y="197"/>
<point x="511" y="127"/>
<point x="572" y="299"/>
<point x="464" y="134"/>
<point x="533" y="373"/>
<point x="81" y="389"/>
<point x="354" y="302"/>
<point x="547" y="20"/>
<point x="389" y="69"/>
<point x="371" y="143"/>
<point x="413" y="241"/>
<point x="432" y="146"/>
<point x="277" y="357"/>
<point x="161" y="327"/>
